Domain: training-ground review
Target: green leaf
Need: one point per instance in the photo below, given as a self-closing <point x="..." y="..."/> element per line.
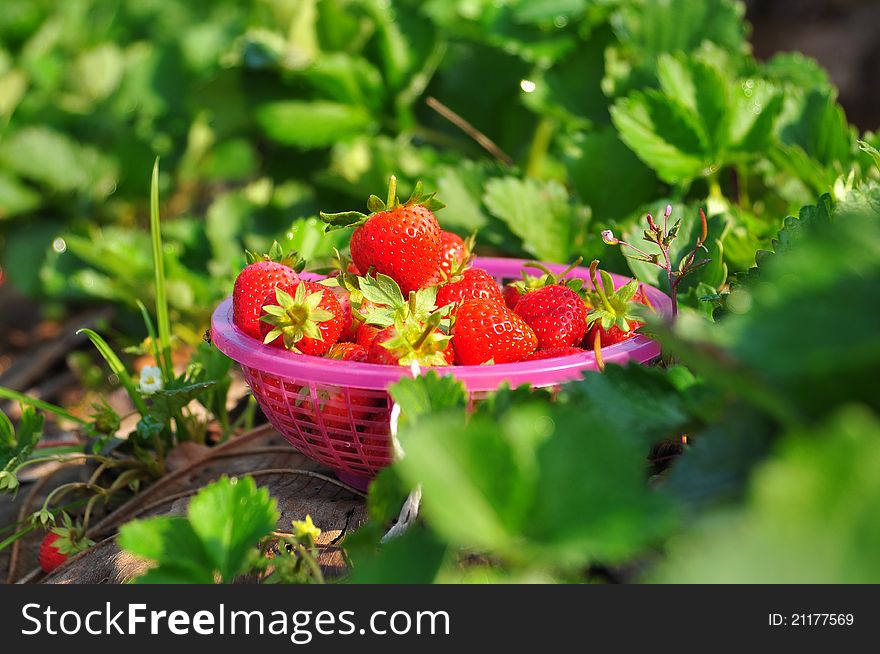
<point x="662" y="133"/>
<point x="15" y="197"/>
<point x="315" y="124"/>
<point x="413" y="558"/>
<point x="810" y="515"/>
<point x="608" y="176"/>
<point x="171" y="543"/>
<point x="50" y="157"/>
<point x="427" y="394"/>
<point x="382" y="289"/>
<point x="539" y="213"/>
<point x="230" y="516"/>
<point x="533" y="485"/>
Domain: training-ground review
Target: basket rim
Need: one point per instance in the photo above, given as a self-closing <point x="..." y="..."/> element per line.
<point x="251" y="352"/>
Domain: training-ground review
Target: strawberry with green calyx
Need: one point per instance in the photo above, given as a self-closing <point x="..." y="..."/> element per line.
<point x="471" y="284"/>
<point x="384" y="303"/>
<point x="455" y="252"/>
<point x="486" y="331"/>
<point x="400" y="240"/>
<point x="615" y="314"/>
<point x="411" y="341"/>
<point x="305" y="317"/>
<point x="556" y="314"/>
<point x="61" y="543"/>
<point x="515" y="290"/>
<point x="262" y="274"/>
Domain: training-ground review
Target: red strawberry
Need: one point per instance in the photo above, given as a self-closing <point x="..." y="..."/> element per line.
<point x="400" y="346"/>
<point x="614" y="315"/>
<point x="453" y="253"/>
<point x="557" y="315"/>
<point x="513" y="291"/>
<point x="347" y="352"/>
<point x="304" y="317"/>
<point x="554" y="352"/>
<point x="253" y="284"/>
<point x="366" y="334"/>
<point x="398" y="240"/>
<point x="50" y="556"/>
<point x="472" y="284"/>
<point x="511" y="295"/>
<point x="349" y="324"/>
<point x="486" y="330"/>
<point x="62" y="542"/>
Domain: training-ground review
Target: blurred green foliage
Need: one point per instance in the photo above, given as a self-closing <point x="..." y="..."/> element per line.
<point x="265" y="111"/>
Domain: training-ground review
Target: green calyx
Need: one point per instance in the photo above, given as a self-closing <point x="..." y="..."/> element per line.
<point x="419" y="341"/>
<point x="467" y="258"/>
<point x="71" y="537"/>
<point x="612" y="308"/>
<point x="387" y="306"/>
<point x="532" y="282"/>
<point x="375" y="205"/>
<point x="276" y="254"/>
<point x="295" y="317"/>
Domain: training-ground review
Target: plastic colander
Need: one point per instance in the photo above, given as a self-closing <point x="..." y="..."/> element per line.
<point x="337" y="412"/>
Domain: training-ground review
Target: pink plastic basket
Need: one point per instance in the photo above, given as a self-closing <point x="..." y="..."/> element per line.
<point x="337" y="412"/>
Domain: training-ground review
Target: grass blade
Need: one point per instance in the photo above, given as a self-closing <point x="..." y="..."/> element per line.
<point x="159" y="270"/>
<point x="9" y="394"/>
<point x="154" y="343"/>
<point x="117" y="368"/>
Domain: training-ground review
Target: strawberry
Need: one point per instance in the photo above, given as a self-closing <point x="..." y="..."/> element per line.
<point x="366" y="334"/>
<point x="349" y="324"/>
<point x="50" y="555"/>
<point x="554" y="352"/>
<point x="335" y="409"/>
<point x="487" y="331"/>
<point x="347" y="352"/>
<point x="304" y="317"/>
<point x="557" y="315"/>
<point x="615" y="312"/>
<point x="514" y="291"/>
<point x="60" y="543"/>
<point x="472" y="284"/>
<point x="454" y="251"/>
<point x="259" y="277"/>
<point x="398" y="240"/>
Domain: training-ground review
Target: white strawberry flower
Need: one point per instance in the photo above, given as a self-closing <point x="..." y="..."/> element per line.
<point x="151" y="380"/>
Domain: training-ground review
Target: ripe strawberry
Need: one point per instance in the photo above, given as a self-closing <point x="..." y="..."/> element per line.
<point x="259" y="277"/>
<point x="62" y="542"/>
<point x="398" y="240"/>
<point x="557" y="315"/>
<point x="472" y="284"/>
<point x="515" y="290"/>
<point x="304" y="317"/>
<point x="454" y="251"/>
<point x="50" y="556"/>
<point x="486" y="330"/>
<point x="366" y="334"/>
<point x="615" y="312"/>
<point x="347" y="352"/>
<point x="554" y="352"/>
<point x="349" y="324"/>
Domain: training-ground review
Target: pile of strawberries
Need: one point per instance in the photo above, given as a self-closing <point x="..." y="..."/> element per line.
<point x="411" y="294"/>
